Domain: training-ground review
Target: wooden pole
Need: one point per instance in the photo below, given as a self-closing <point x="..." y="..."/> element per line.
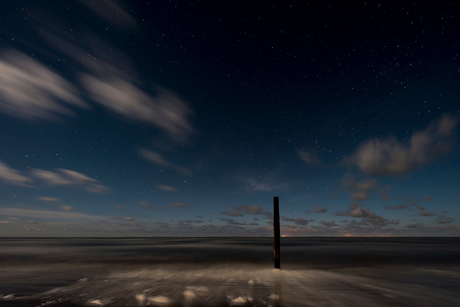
<point x="276" y="230"/>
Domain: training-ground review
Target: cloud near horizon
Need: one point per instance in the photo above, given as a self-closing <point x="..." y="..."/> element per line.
<point x="250" y="209"/>
<point x="232" y="213"/>
<point x="298" y="221"/>
<point x="368" y="217"/>
<point x="390" y="157"/>
<point x="46" y="214"/>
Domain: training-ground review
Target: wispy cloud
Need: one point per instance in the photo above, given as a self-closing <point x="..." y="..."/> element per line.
<point x="232" y="213"/>
<point x="48" y="199"/>
<point x="367" y="216"/>
<point x="30" y="90"/>
<point x="181" y="205"/>
<point x="250" y="209"/>
<point x="50" y="178"/>
<point x="298" y="221"/>
<point x="359" y="190"/>
<point x="144" y="203"/>
<point x="111" y="11"/>
<point x="397" y="207"/>
<point x="232" y="221"/>
<point x="166" y="110"/>
<point x="161" y="161"/>
<point x="441" y="219"/>
<point x="311" y="159"/>
<point x="328" y="223"/>
<point x="69" y="177"/>
<point x="166" y="188"/>
<point x="47" y="215"/>
<point x="12" y="176"/>
<point x="126" y="218"/>
<point x="147" y="205"/>
<point x="391" y="157"/>
<point x="409" y="202"/>
<point x="66" y="208"/>
<point x="358" y="196"/>
<point x="383" y="192"/>
<point x="426" y="213"/>
<point x="109" y="79"/>
<point x="262" y="184"/>
<point x="320" y="209"/>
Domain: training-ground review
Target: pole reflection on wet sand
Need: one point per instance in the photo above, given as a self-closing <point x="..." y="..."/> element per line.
<point x="277" y="292"/>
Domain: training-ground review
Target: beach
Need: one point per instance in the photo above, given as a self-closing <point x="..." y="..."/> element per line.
<point x="229" y="272"/>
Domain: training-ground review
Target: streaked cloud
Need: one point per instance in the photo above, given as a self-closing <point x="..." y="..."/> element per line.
<point x="298" y="221"/>
<point x="12" y="176"/>
<point x="120" y="207"/>
<point x="111" y="11"/>
<point x="69" y="177"/>
<point x="50" y="178"/>
<point x="391" y="157"/>
<point x="48" y="199"/>
<point x="161" y="161"/>
<point x="46" y="214"/>
<point x="166" y="188"/>
<point x="124" y="218"/>
<point x="30" y="90"/>
<point x="428" y="198"/>
<point x="108" y="77"/>
<point x="165" y="110"/>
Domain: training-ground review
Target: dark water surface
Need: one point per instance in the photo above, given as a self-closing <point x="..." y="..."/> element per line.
<point x="229" y="272"/>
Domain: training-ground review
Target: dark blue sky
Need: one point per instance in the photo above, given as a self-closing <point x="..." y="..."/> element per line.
<point x="171" y="119"/>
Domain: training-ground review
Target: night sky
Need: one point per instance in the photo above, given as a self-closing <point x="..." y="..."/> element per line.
<point x="164" y="118"/>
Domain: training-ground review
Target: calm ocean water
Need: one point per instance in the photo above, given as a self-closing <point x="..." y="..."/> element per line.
<point x="229" y="272"/>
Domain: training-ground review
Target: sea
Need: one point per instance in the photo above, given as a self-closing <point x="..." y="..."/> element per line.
<point x="229" y="272"/>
